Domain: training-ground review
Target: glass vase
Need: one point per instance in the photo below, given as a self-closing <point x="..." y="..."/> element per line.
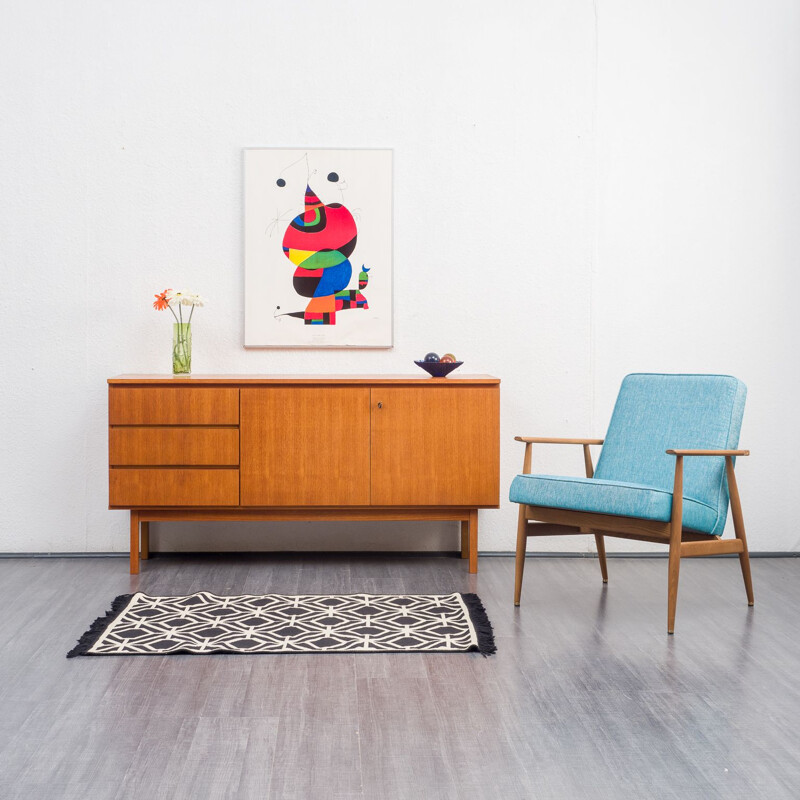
<point x="181" y="348"/>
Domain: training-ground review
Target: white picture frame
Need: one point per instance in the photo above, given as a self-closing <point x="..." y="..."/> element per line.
<point x="318" y="247"/>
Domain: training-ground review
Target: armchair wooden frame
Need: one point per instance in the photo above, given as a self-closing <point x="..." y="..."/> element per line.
<point x="545" y="521"/>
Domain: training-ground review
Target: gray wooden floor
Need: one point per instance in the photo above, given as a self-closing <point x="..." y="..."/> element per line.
<point x="587" y="697"/>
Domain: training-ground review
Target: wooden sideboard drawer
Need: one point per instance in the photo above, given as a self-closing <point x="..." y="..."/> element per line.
<point x="178" y="405"/>
<point x="173" y="487"/>
<point x="189" y="446"/>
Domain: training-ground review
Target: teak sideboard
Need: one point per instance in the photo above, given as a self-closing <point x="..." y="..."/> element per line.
<point x="338" y="447"/>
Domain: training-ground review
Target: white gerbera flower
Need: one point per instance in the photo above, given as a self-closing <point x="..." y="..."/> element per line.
<point x="182" y="297"/>
<point x="175" y="297"/>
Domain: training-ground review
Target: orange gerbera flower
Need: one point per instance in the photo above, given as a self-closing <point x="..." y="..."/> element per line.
<point x="161" y="300"/>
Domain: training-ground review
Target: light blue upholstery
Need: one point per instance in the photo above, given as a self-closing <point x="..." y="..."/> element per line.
<point x="609" y="497"/>
<point x="634" y="476"/>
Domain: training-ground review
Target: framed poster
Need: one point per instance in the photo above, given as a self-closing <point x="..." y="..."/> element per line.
<point x="318" y="248"/>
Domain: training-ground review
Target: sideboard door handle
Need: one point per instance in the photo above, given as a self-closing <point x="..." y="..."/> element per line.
<point x="380" y="405"/>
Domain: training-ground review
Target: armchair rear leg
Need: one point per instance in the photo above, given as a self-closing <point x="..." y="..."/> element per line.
<point x="601" y="554"/>
<point x="744" y="563"/>
<point x="598" y="537"/>
<point x="522" y="531"/>
<point x="519" y="563"/>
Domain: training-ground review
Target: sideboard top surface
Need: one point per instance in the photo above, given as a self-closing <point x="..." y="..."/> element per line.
<point x="192" y="380"/>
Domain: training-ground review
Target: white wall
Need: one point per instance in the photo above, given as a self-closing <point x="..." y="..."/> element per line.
<point x="581" y="190"/>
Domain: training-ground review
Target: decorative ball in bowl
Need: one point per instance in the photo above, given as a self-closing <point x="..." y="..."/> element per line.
<point x="439" y="367"/>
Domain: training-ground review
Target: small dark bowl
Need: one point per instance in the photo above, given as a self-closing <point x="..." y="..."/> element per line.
<point x="439" y="369"/>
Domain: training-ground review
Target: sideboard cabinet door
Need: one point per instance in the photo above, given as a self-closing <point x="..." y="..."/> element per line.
<point x="435" y="445"/>
<point x="304" y="446"/>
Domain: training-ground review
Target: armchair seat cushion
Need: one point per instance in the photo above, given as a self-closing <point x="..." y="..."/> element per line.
<point x="617" y="498"/>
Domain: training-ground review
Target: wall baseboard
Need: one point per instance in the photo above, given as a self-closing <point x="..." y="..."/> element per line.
<point x="393" y="553"/>
<point x="753" y="554"/>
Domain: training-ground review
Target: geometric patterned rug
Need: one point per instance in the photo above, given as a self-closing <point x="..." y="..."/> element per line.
<point x="138" y="624"/>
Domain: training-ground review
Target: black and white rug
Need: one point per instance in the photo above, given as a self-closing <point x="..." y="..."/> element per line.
<point x="138" y="624"/>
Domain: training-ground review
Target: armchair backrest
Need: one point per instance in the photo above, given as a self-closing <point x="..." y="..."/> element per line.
<point x="654" y="413"/>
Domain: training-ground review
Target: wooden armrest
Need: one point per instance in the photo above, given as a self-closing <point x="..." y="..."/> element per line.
<point x="708" y="452"/>
<point x="529" y="440"/>
<point x="547" y="440"/>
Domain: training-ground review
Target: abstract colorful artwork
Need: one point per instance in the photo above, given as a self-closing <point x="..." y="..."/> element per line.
<point x="318" y="249"/>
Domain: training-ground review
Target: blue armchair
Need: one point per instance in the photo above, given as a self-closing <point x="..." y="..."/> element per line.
<point x="642" y="489"/>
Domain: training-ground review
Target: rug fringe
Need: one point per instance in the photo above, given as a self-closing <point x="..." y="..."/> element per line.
<point x="480" y="621"/>
<point x="99" y="626"/>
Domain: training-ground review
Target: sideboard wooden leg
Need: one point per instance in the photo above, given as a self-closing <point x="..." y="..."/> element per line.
<point x="473" y="541"/>
<point x="134" y="542"/>
<point x="145" y="536"/>
<point x="464" y="538"/>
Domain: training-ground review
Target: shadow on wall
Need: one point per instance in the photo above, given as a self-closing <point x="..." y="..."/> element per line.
<point x="311" y="536"/>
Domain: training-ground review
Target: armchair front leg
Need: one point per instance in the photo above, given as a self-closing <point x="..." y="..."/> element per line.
<point x="738" y="527"/>
<point x="676" y="525"/>
<point x="522" y="524"/>
<point x="676" y="530"/>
